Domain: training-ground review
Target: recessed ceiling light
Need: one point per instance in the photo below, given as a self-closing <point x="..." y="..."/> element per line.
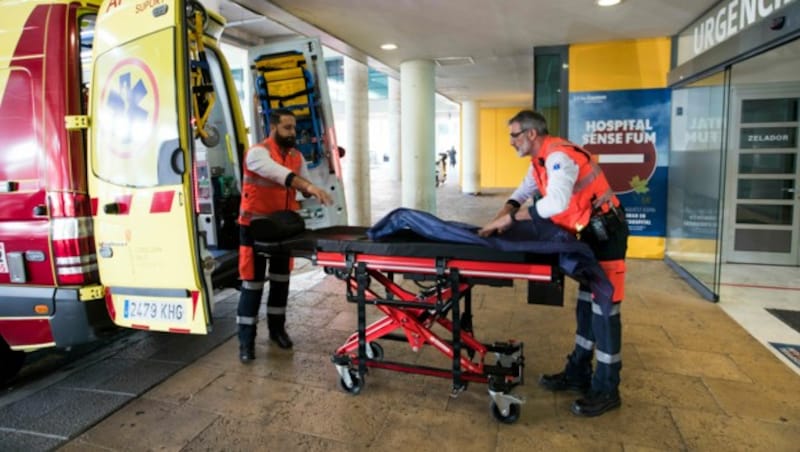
<point x="608" y="2"/>
<point x="388" y="46"/>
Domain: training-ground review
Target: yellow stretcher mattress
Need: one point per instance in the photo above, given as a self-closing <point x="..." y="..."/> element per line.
<point x="288" y="88"/>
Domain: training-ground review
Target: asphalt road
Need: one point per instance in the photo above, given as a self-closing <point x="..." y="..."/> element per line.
<point x="59" y="394"/>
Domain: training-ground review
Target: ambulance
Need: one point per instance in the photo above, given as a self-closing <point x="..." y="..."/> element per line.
<point x="166" y="142"/>
<point x="50" y="292"/>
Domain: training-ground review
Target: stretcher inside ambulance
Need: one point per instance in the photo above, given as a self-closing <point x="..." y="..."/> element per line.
<point x="291" y="75"/>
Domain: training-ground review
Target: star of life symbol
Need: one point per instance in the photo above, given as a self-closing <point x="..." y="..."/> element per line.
<point x="129" y="107"/>
<point x="125" y="103"/>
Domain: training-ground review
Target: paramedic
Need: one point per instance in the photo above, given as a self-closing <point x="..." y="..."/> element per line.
<point x="570" y="189"/>
<point x="273" y="173"/>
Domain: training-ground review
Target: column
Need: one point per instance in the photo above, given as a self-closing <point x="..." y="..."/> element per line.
<point x="470" y="163"/>
<point x="394" y="130"/>
<point x="417" y="127"/>
<point x="356" y="162"/>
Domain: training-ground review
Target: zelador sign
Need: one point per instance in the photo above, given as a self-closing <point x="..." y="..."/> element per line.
<point x="721" y="23"/>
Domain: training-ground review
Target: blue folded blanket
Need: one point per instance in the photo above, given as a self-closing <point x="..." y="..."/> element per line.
<point x="535" y="236"/>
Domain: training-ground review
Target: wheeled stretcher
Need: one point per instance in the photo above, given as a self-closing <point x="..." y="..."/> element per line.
<point x="448" y="271"/>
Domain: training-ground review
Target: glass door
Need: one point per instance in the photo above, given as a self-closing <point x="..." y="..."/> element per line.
<point x="763" y="208"/>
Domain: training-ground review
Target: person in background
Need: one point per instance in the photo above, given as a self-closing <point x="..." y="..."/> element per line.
<point x="273" y="173"/>
<point x="571" y="190"/>
<point x="452" y="154"/>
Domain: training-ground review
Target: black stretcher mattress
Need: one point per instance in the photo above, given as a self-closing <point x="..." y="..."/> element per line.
<point x="353" y="239"/>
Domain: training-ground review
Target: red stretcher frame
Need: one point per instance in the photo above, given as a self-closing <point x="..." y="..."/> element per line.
<point x="346" y="253"/>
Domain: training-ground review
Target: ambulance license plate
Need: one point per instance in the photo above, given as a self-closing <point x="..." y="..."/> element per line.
<point x="162" y="311"/>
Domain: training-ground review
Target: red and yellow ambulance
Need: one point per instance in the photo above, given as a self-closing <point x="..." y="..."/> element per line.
<point x="121" y="137"/>
<point x="50" y="292"/>
<point x="166" y="136"/>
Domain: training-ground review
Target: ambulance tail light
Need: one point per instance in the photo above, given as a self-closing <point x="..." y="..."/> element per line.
<point x="73" y="250"/>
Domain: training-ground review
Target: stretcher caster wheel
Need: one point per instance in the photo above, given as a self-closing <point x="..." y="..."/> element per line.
<point x="375" y="351"/>
<point x="508" y="418"/>
<point x="355" y="380"/>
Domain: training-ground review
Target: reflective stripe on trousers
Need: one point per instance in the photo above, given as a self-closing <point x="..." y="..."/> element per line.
<point x="604" y="335"/>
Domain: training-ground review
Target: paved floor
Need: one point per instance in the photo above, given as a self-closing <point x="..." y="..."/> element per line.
<point x="693" y="379"/>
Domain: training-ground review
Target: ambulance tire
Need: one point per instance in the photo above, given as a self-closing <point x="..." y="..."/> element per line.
<point x="12" y="362"/>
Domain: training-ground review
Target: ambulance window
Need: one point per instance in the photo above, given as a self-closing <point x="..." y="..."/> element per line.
<point x="219" y="156"/>
<point x="135" y="131"/>
<point x="20" y="150"/>
<point x="87" y="22"/>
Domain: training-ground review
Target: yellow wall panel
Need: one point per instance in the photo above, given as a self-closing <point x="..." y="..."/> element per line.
<point x="500" y="166"/>
<point x="618" y="65"/>
<point x="646" y="247"/>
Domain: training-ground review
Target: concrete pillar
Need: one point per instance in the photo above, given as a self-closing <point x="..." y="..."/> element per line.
<point x="417" y="136"/>
<point x="355" y="165"/>
<point x="470" y="162"/>
<point x="394" y="130"/>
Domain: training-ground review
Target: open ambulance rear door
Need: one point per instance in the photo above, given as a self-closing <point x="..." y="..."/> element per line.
<point x="165" y="141"/>
<point x="291" y="74"/>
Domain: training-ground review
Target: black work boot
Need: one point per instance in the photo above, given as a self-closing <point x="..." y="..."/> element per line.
<point x="247" y="346"/>
<point x="564" y="382"/>
<point x="596" y="403"/>
<point x="277" y="331"/>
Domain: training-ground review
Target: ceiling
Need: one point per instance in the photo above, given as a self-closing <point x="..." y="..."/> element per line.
<point x="498" y="36"/>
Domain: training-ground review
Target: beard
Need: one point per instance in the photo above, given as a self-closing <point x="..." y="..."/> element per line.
<point x="287" y="142"/>
<point x="523" y="150"/>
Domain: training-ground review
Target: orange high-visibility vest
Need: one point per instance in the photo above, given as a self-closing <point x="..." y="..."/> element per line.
<point x="261" y="196"/>
<point x="591" y="191"/>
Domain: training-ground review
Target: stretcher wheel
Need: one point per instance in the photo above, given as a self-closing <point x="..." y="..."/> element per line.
<point x="377" y="351"/>
<point x="512" y="416"/>
<point x="358" y="383"/>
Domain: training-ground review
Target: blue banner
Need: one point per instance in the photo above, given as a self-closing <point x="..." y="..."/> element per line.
<point x="627" y="133"/>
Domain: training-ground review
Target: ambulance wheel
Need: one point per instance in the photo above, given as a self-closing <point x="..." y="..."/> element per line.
<point x="512" y="416"/>
<point x="12" y="362"/>
<point x="192" y="7"/>
<point x="358" y="383"/>
<point x="377" y="351"/>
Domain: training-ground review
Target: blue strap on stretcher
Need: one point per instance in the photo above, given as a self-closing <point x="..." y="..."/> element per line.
<point x="537" y="236"/>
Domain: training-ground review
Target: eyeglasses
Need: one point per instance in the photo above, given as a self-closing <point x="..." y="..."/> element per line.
<point x="516" y="134"/>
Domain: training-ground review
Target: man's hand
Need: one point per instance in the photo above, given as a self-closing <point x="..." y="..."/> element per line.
<point x="319" y="193"/>
<point x="498" y="226"/>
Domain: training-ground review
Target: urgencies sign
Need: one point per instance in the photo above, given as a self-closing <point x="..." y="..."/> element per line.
<point x="721" y="23"/>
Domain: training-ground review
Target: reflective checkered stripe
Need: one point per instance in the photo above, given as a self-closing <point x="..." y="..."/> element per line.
<point x="159" y="202"/>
